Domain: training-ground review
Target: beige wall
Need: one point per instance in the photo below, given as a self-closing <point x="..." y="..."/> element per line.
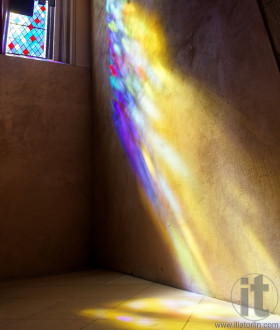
<point x="45" y="167"/>
<point x="210" y="142"/>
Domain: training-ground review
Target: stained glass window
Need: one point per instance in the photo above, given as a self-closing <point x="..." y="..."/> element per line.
<point x="27" y="35"/>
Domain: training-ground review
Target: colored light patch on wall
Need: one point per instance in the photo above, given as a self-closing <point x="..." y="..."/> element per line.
<point x="167" y="124"/>
<point x="27" y="35"/>
<point x="134" y="77"/>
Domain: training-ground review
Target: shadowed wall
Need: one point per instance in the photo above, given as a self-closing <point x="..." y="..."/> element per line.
<point x="45" y="167"/>
<point x="211" y="150"/>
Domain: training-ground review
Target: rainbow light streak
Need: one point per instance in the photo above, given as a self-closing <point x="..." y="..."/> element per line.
<point x="133" y="80"/>
<point x="126" y="86"/>
<point x="146" y="94"/>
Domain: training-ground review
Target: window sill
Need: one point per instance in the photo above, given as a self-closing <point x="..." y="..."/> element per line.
<point x="36" y="58"/>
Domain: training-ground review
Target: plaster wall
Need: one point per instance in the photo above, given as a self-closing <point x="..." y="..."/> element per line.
<point x="219" y="113"/>
<point x="45" y="167"/>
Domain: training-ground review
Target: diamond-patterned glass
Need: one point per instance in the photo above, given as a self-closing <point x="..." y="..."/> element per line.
<point x="27" y="35"/>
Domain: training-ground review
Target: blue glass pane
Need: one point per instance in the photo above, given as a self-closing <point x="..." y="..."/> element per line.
<point x="27" y="34"/>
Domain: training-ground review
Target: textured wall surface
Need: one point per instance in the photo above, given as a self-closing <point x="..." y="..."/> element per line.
<point x="45" y="167"/>
<point x="217" y="105"/>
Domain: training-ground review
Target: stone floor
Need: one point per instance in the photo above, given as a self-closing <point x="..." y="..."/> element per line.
<point x="107" y="300"/>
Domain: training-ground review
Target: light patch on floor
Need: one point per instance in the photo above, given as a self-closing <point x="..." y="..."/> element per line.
<point x="104" y="300"/>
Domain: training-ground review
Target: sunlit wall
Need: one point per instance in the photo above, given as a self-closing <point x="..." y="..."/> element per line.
<point x="191" y="90"/>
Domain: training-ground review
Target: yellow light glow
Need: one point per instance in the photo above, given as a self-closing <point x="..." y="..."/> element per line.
<point x="168" y="312"/>
<point x="205" y="194"/>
